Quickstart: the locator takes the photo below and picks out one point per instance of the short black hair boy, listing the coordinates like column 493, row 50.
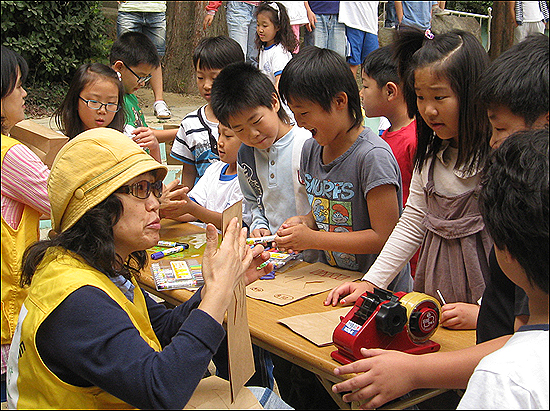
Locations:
column 514, row 201
column 518, row 79
column 216, row 53
column 134, row 48
column 240, row 87
column 381, row 66
column 318, row 76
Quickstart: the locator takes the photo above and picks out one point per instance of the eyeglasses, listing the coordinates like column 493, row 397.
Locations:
column 142, row 80
column 96, row 105
column 142, row 189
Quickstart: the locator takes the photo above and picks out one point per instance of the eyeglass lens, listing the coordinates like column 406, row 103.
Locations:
column 143, row 188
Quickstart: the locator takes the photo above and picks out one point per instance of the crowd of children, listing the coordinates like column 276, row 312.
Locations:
column 457, row 186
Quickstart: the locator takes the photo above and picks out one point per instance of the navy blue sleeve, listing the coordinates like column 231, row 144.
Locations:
column 89, row 340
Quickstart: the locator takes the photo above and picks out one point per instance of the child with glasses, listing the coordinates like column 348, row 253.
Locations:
column 94, row 100
column 134, row 57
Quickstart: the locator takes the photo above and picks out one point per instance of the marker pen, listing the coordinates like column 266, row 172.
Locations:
column 164, row 253
column 172, row 244
column 259, row 240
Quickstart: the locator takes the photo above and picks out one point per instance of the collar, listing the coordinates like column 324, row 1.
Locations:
column 447, row 155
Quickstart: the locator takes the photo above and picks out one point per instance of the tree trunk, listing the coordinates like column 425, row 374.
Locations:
column 502, row 28
column 184, row 20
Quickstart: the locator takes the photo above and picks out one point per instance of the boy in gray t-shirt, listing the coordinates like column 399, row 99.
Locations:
column 352, row 178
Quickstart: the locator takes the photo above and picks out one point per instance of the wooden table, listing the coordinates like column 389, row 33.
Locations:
column 267, row 333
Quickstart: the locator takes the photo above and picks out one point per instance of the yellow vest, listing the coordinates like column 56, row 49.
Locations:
column 30, row 383
column 14, row 243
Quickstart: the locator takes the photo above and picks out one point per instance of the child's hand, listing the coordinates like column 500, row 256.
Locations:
column 145, row 138
column 294, row 235
column 174, row 200
column 260, row 232
column 350, row 290
column 383, row 375
column 459, row 316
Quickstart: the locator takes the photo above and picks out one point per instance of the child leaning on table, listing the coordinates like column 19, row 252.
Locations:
column 246, row 101
column 196, row 139
column 134, row 57
column 217, row 189
column 442, row 215
column 516, row 376
column 351, row 176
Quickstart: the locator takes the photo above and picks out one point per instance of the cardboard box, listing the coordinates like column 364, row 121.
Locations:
column 43, row 141
column 168, row 146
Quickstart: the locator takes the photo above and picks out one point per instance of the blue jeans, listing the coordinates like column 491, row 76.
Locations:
column 241, row 27
column 329, row 34
column 153, row 25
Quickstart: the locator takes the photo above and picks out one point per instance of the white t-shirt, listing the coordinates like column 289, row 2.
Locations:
column 360, row 15
column 273, row 59
column 297, row 12
column 216, row 191
column 142, row 6
column 514, row 377
column 531, row 12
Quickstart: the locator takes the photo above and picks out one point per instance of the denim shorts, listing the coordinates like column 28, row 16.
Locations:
column 361, row 44
column 153, row 25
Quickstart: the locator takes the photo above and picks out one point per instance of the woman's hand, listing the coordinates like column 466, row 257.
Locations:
column 223, row 268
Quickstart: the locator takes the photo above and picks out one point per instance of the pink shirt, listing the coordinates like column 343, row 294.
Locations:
column 24, row 182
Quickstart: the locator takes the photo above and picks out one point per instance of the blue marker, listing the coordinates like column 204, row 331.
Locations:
column 164, row 253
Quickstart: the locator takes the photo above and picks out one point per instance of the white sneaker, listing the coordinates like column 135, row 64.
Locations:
column 161, row 109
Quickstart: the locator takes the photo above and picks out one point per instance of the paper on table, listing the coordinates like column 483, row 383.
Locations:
column 241, row 358
column 316, row 327
column 213, row 393
column 294, row 285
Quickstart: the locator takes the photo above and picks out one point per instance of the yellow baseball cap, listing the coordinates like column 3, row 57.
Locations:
column 89, row 168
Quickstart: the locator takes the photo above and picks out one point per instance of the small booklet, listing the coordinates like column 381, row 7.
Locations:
column 175, row 274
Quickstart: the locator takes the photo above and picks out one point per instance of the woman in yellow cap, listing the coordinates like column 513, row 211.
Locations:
column 88, row 336
column 24, row 197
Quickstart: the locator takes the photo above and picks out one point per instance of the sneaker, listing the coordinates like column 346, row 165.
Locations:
column 161, row 109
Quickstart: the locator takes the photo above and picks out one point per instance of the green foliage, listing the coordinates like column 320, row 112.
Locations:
column 477, row 7
column 55, row 37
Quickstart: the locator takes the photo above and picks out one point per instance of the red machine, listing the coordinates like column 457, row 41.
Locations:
column 382, row 319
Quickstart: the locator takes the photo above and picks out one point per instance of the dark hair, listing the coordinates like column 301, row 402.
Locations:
column 90, row 238
column 134, row 48
column 217, row 52
column 66, row 116
column 381, row 66
column 518, row 79
column 458, row 57
column 281, row 21
column 514, row 201
column 11, row 62
column 318, row 75
column 240, row 87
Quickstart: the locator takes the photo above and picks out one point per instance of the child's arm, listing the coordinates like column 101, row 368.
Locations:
column 164, row 136
column 188, row 175
column 145, row 138
column 384, row 214
column 403, row 242
column 259, row 225
column 386, row 375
